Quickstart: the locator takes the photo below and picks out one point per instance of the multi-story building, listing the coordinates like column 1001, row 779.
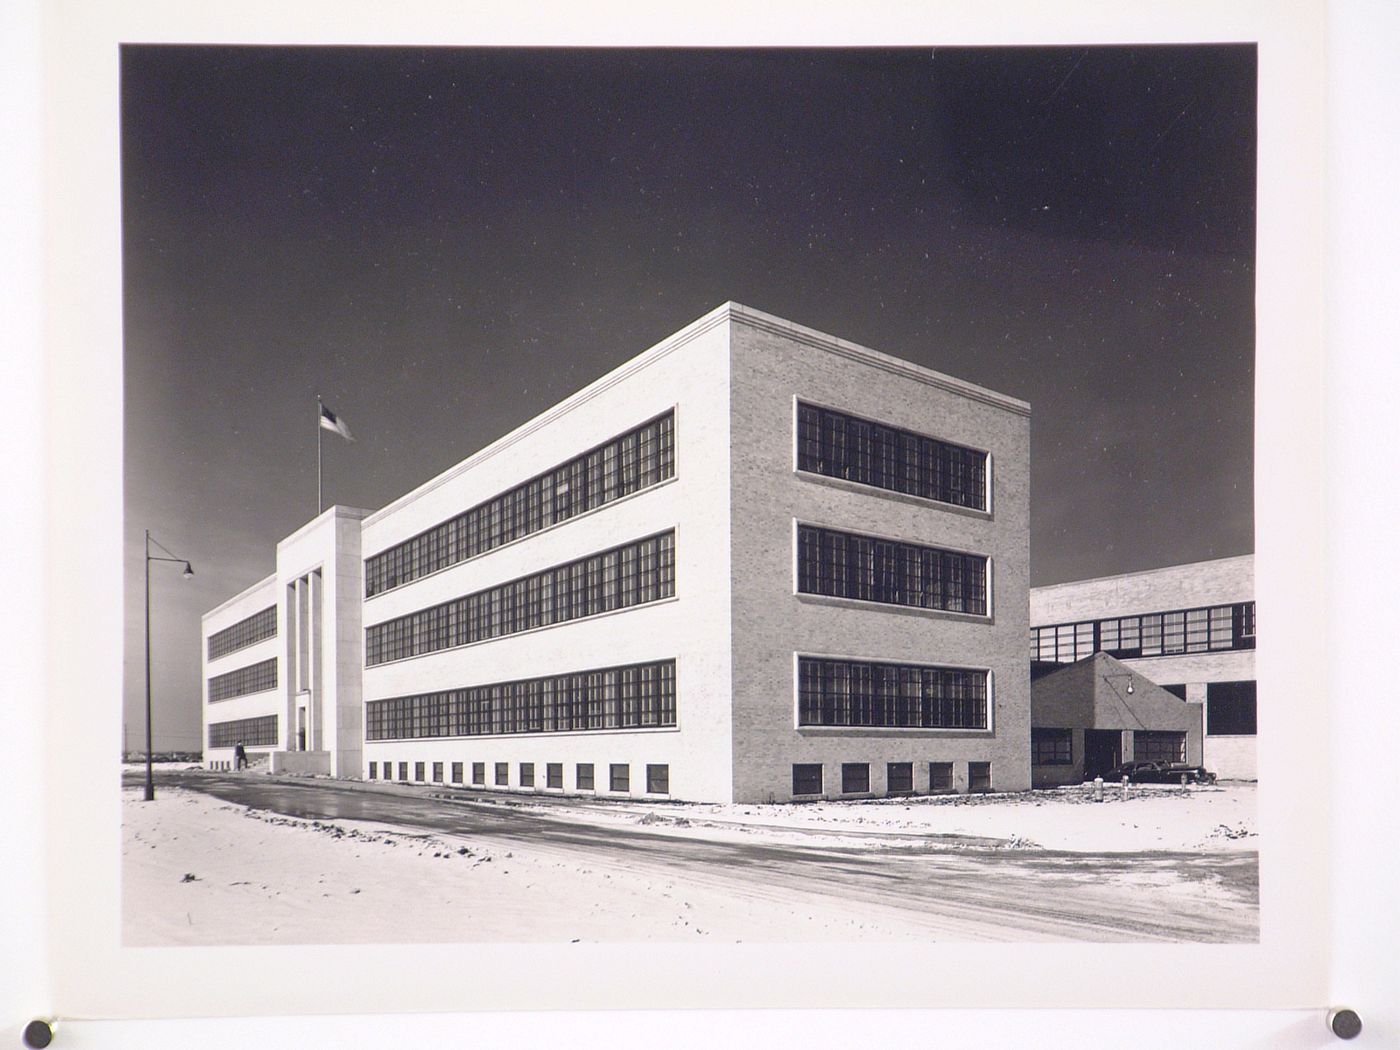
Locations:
column 755, row 562
column 1188, row 628
column 282, row 660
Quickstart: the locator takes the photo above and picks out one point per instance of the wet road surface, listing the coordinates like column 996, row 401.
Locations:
column 937, row 888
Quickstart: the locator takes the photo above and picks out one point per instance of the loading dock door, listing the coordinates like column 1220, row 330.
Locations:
column 1103, row 750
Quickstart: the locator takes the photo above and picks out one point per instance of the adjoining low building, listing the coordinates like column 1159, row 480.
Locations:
column 754, row 563
column 1091, row 716
column 1188, row 628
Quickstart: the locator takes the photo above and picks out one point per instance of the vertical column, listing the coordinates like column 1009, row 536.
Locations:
column 303, row 681
column 315, row 656
column 288, row 730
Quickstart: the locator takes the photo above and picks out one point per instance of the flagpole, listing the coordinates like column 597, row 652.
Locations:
column 318, row 455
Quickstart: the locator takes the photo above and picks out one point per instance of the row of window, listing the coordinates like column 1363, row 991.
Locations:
column 636, row 460
column 844, row 446
column 634, row 574
column 884, row 695
column 807, row 778
column 658, row 776
column 1210, row 629
column 849, row 566
column 256, row 628
column 255, row 678
column 1055, row 747
column 250, row 732
column 639, row 696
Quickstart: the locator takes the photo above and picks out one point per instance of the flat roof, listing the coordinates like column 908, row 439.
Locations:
column 1144, row 572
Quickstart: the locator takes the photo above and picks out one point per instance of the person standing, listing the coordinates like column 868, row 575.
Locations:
column 240, row 756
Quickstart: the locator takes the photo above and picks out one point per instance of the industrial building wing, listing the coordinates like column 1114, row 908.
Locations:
column 754, row 563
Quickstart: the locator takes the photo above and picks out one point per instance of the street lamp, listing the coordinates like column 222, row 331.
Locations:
column 189, row 572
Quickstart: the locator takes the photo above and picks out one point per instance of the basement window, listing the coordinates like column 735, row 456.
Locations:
column 899, row 778
column 855, row 777
column 979, row 776
column 658, row 780
column 807, row 778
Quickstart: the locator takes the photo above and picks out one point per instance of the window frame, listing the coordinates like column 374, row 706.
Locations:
column 866, row 444
column 1060, row 747
column 906, row 770
column 975, row 780
column 848, row 772
column 532, row 506
column 806, row 768
column 849, row 565
column 875, row 686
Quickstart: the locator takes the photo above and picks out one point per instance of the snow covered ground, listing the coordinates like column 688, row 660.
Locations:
column 1150, row 818
column 197, row 870
column 200, row 871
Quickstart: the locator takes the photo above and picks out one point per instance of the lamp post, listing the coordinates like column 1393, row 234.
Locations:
column 189, row 571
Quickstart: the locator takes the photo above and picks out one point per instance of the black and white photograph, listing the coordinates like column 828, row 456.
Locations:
column 746, row 495
column 724, row 524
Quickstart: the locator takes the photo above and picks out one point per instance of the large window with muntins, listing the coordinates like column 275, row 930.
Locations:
column 250, row 732
column 256, row 628
column 1052, row 747
column 1216, row 628
column 845, row 565
column 1158, row 746
column 838, row 445
column 638, row 696
column 638, row 459
column 889, row 696
column 640, row 572
column 255, row 678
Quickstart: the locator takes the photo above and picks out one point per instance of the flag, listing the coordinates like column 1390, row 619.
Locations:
column 330, row 421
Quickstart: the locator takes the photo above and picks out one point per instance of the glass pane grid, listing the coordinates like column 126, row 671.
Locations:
column 1210, row 628
column 895, row 696
column 838, row 445
column 637, row 696
column 634, row 461
column 635, row 574
column 255, row 678
column 256, row 628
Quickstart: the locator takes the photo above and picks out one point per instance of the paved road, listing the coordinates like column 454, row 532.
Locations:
column 943, row 890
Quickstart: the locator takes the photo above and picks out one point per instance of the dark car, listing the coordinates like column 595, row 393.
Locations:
column 1161, row 772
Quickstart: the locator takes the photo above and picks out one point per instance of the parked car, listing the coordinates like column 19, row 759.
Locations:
column 1161, row 772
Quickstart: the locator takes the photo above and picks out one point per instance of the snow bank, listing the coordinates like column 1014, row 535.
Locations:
column 1151, row 818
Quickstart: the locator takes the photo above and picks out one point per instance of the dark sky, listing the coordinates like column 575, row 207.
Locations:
column 445, row 242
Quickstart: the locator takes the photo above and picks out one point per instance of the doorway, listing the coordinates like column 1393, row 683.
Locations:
column 1103, row 751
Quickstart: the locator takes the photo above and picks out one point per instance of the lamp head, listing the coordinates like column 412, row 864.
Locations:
column 1130, row 687
column 189, row 573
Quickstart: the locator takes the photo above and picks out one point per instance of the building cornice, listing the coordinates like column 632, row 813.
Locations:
column 598, row 387
column 240, row 596
column 724, row 314
column 1137, row 573
column 855, row 352
column 330, row 513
